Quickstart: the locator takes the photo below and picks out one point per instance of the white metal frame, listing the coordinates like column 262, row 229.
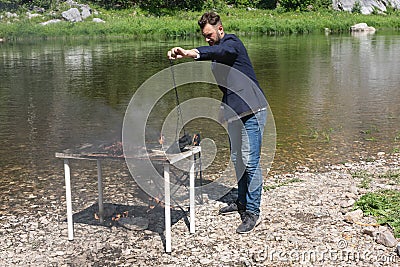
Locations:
column 167, row 191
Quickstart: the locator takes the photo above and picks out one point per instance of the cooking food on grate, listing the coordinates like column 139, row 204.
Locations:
column 179, row 146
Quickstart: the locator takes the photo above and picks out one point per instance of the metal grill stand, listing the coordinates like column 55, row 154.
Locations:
column 190, row 153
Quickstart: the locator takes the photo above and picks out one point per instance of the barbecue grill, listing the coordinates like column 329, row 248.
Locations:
column 156, row 156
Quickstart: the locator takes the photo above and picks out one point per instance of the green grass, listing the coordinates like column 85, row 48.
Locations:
column 392, row 175
column 135, row 22
column 272, row 187
column 318, row 134
column 367, row 134
column 384, row 205
column 397, row 137
column 366, row 178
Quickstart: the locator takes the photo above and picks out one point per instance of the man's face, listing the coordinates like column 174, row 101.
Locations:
column 212, row 34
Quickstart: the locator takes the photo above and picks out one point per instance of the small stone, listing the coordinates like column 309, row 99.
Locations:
column 205, row 261
column 59, row 253
column 134, row 223
column 44, row 220
column 381, row 154
column 293, row 240
column 97, row 20
column 386, row 238
column 354, row 190
column 351, row 195
column 369, row 231
column 50, row 22
column 353, row 216
column 347, row 203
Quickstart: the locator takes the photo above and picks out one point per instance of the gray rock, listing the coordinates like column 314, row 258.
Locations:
column 347, row 203
column 51, row 21
column 71, row 3
column 353, row 216
column 369, row 231
column 86, row 12
column 398, row 249
column 354, row 190
column 367, row 6
column 362, row 27
column 72, row 15
column 32, row 15
column 386, row 238
column 11, row 15
column 134, row 223
column 205, row 261
column 98, row 20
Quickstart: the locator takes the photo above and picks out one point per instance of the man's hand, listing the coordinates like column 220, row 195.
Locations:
column 179, row 52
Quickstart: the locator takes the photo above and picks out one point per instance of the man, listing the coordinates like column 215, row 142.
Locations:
column 243, row 96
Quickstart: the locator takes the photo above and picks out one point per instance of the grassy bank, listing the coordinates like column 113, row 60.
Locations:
column 384, row 206
column 135, row 22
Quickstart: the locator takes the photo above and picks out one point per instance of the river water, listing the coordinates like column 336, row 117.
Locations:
column 335, row 99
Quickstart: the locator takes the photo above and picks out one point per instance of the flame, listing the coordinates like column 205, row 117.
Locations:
column 161, row 139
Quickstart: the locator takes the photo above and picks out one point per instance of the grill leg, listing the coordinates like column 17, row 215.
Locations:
column 100, row 189
column 192, row 195
column 167, row 209
column 70, row 222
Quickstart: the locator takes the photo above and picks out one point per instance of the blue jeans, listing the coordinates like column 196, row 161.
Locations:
column 246, row 141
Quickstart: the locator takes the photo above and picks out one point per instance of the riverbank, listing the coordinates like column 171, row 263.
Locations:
column 136, row 23
column 303, row 224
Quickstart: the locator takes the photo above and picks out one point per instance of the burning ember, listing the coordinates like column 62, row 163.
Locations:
column 114, row 217
column 161, row 139
column 114, row 149
column 156, row 201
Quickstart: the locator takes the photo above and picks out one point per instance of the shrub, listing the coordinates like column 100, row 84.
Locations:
column 356, row 8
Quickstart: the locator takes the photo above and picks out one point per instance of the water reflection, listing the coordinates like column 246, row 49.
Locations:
column 333, row 98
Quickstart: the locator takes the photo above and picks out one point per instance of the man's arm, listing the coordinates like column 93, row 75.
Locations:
column 179, row 52
column 227, row 51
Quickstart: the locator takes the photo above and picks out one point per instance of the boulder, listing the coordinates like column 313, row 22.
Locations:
column 362, row 27
column 86, row 12
column 367, row 6
column 72, row 15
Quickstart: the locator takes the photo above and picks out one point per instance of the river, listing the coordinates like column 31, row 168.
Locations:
column 334, row 99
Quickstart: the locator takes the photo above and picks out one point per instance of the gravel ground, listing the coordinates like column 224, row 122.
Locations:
column 303, row 225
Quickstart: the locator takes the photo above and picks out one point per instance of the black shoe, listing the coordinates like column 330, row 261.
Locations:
column 249, row 222
column 232, row 208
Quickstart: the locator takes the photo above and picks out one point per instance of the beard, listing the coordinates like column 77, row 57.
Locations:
column 218, row 38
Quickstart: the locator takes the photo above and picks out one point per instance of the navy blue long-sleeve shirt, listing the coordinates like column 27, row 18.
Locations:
column 235, row 75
